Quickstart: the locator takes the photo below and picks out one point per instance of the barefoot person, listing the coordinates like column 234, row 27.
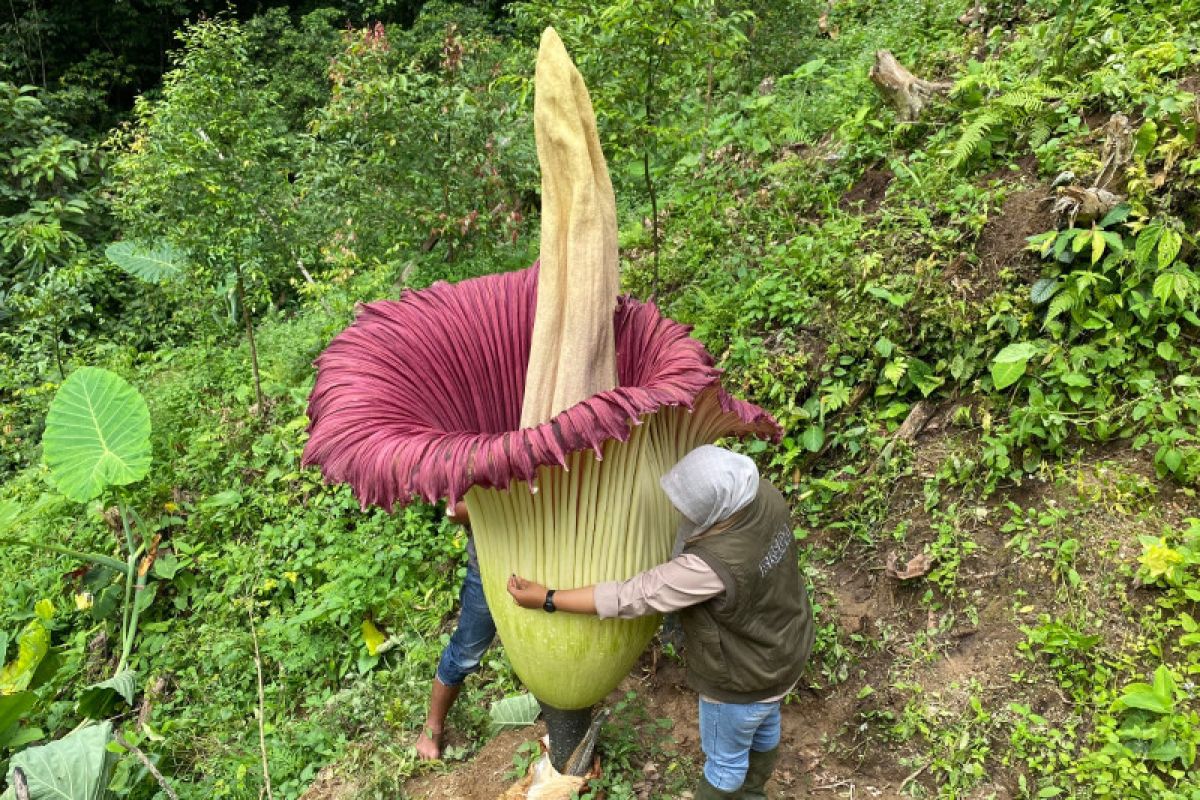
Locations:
column 735, row 581
column 462, row 655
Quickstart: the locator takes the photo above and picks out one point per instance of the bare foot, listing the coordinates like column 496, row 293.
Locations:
column 429, row 744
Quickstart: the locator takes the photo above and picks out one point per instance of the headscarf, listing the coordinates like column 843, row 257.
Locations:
column 708, row 485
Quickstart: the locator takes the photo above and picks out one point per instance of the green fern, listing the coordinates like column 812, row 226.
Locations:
column 1062, row 302
column 973, row 135
column 1023, row 102
column 1039, row 133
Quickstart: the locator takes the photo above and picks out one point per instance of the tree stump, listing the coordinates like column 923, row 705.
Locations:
column 905, row 91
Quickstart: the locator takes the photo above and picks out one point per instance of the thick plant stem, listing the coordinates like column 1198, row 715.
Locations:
column 241, row 290
column 567, row 728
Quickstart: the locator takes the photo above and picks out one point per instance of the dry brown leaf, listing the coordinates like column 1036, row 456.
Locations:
column 917, row 566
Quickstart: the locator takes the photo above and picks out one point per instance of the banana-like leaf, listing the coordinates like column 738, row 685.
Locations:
column 153, row 263
column 518, row 711
column 74, row 767
column 101, row 699
column 97, row 434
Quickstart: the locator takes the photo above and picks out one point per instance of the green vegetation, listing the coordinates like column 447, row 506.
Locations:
column 1013, row 272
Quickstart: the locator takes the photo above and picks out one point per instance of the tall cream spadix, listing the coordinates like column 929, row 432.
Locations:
column 573, row 355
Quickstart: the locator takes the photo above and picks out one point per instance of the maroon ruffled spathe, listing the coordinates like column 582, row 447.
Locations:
column 421, row 396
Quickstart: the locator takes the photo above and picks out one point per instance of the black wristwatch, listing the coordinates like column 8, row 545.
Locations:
column 548, row 605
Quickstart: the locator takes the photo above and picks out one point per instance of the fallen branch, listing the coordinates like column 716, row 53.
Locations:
column 146, row 762
column 905, row 91
column 912, row 776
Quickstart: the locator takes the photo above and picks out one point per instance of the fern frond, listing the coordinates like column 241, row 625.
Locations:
column 974, row 133
column 1022, row 99
column 1062, row 302
column 1039, row 133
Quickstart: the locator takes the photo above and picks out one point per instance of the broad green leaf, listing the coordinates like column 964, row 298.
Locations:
column 1145, row 139
column 32, row 645
column 1164, row 683
column 1098, row 245
column 152, row 263
column 922, row 376
column 97, row 434
column 1018, row 352
column 1076, row 379
column 74, row 767
column 46, row 668
column 1041, row 242
column 1146, row 699
column 1081, row 240
column 518, row 711
column 1005, row 374
column 165, row 566
column 1167, row 352
column 1146, row 242
column 12, row 708
column 1043, row 290
column 1115, row 243
column 20, row 736
column 1165, row 751
column 813, row 438
column 1118, row 214
column 1168, row 247
column 101, row 699
column 230, row 498
column 145, row 597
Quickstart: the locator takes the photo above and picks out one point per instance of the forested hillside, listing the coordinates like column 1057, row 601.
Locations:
column 948, row 246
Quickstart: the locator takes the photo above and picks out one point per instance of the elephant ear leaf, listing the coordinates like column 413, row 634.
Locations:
column 97, row 434
column 75, row 766
column 153, row 263
column 517, row 711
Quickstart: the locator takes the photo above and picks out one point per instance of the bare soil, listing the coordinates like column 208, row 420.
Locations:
column 868, row 193
column 1001, row 256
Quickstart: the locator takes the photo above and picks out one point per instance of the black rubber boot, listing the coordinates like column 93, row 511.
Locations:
column 757, row 774
column 706, row 791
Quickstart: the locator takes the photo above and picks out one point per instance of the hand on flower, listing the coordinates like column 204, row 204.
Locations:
column 527, row 594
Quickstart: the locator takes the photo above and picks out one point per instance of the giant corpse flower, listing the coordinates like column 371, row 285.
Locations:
column 547, row 403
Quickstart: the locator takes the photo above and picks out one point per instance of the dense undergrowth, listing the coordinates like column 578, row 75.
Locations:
column 845, row 267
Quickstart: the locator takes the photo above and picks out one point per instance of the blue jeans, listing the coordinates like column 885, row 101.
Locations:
column 471, row 638
column 728, row 732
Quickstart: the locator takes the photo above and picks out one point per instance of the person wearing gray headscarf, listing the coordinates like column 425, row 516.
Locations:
column 734, row 578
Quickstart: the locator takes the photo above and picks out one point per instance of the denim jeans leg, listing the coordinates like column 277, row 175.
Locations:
column 471, row 638
column 726, row 733
column 767, row 736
